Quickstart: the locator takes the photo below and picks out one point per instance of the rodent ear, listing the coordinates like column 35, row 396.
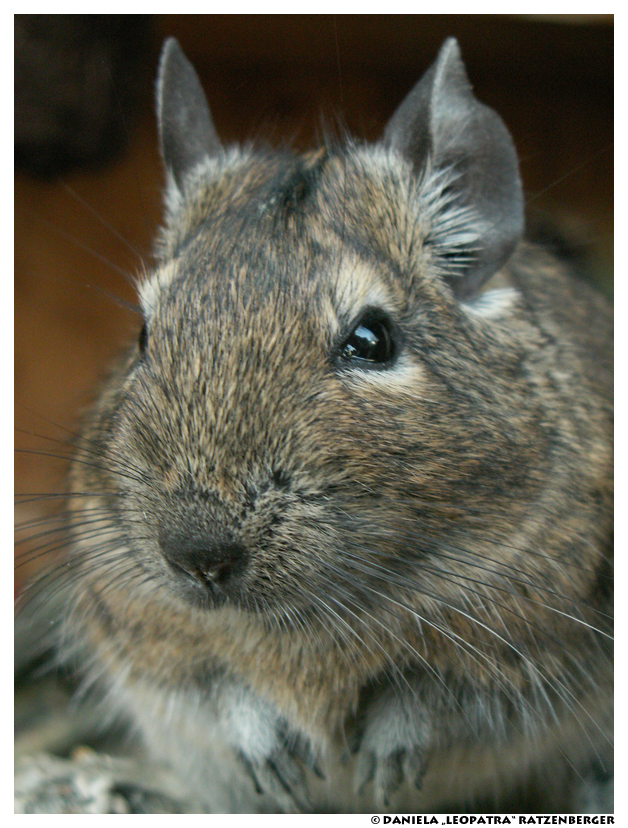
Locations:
column 186, row 131
column 466, row 149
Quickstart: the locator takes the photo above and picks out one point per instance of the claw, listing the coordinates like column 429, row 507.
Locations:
column 311, row 762
column 419, row 762
column 364, row 770
column 389, row 776
column 249, row 770
column 353, row 741
column 287, row 781
column 388, row 772
column 302, row 751
column 282, row 778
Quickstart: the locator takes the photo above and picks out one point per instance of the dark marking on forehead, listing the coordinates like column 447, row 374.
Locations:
column 290, row 189
column 302, row 184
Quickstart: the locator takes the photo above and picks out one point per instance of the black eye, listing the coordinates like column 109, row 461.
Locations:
column 371, row 341
column 143, row 338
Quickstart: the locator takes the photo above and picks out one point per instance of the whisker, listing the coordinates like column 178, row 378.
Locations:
column 79, row 244
column 109, row 226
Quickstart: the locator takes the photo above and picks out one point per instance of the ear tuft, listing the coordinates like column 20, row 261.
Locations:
column 186, row 131
column 462, row 147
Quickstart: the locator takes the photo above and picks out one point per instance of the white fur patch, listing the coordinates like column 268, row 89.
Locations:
column 150, row 290
column 360, row 287
column 492, row 303
column 250, row 724
column 404, row 376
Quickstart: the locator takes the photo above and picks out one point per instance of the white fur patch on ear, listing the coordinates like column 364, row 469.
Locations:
column 455, row 230
column 492, row 303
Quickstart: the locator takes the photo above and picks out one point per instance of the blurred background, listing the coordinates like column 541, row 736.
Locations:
column 88, row 176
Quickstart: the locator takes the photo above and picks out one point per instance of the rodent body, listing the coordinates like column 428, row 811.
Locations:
column 343, row 517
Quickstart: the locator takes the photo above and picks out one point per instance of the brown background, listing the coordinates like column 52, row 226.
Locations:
column 87, row 189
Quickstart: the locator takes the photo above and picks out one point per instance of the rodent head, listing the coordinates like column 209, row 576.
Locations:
column 320, row 400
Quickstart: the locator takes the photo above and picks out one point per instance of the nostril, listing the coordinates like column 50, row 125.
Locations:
column 217, row 572
column 210, row 568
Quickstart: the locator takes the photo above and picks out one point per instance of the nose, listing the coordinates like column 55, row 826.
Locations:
column 212, row 560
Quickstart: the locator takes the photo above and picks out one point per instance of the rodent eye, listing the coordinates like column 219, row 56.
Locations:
column 142, row 339
column 371, row 340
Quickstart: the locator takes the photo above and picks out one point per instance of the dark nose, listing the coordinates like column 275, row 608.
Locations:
column 211, row 560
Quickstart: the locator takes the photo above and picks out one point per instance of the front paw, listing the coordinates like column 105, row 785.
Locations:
column 274, row 758
column 392, row 746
